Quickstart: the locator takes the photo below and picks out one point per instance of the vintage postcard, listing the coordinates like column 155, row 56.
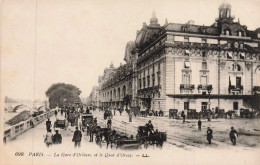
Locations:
column 130, row 82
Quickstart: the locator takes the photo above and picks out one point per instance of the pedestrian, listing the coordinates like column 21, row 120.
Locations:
column 199, row 125
column 48, row 138
column 114, row 112
column 31, row 122
column 183, row 116
column 209, row 135
column 130, row 113
column 77, row 137
column 48, row 124
column 95, row 120
column 55, row 112
column 4, row 140
column 109, row 123
column 233, row 136
column 62, row 110
column 57, row 138
column 120, row 111
column 92, row 130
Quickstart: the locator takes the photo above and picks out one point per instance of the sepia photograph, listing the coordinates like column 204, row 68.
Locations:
column 130, row 82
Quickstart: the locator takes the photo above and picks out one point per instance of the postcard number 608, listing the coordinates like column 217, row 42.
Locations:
column 19, row 154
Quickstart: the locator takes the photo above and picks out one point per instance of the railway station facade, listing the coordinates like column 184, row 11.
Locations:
column 187, row 66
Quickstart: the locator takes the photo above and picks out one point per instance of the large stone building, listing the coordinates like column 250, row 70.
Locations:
column 188, row 66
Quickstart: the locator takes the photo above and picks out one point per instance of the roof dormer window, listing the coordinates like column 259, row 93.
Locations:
column 186, row 64
column 186, row 39
column 227, row 32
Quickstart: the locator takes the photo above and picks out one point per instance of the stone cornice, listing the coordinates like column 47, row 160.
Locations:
column 212, row 53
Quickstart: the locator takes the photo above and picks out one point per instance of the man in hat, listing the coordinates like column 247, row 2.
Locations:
column 57, row 138
column 77, row 137
column 130, row 113
column 199, row 125
column 209, row 135
column 109, row 122
column 233, row 136
column 48, row 124
column 149, row 126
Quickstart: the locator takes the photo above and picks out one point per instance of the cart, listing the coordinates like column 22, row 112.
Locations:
column 60, row 124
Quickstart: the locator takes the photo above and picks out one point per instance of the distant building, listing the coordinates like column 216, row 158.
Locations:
column 188, row 66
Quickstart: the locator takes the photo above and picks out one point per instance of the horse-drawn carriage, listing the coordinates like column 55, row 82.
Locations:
column 86, row 120
column 150, row 137
column 107, row 114
column 73, row 118
column 246, row 113
column 145, row 112
column 220, row 113
column 126, row 143
column 230, row 113
column 61, row 124
column 192, row 114
column 173, row 113
column 205, row 113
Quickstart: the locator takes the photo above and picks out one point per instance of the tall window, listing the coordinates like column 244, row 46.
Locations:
column 144, row 82
column 186, row 79
column 140, row 84
column 238, row 82
column 124, row 91
column 118, row 93
column 153, row 79
column 235, row 105
column 159, row 66
column 204, row 65
column 159, row 78
column 148, row 81
column 203, row 80
column 186, row 105
column 204, row 105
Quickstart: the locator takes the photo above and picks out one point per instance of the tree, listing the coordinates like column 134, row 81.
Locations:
column 60, row 91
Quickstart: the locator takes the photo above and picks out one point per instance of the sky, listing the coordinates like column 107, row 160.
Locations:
column 73, row 41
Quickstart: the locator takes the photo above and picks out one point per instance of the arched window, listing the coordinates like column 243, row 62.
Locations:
column 118, row 91
column 124, row 91
column 236, row 67
column 114, row 93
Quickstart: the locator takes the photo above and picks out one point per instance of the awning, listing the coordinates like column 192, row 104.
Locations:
column 187, row 64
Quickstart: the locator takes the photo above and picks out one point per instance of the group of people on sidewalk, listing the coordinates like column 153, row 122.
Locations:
column 233, row 135
column 57, row 138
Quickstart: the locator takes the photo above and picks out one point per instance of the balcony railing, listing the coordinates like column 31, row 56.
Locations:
column 256, row 89
column 187, row 87
column 232, row 88
column 207, row 87
column 156, row 87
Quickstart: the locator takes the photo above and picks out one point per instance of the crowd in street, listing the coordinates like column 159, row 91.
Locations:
column 75, row 112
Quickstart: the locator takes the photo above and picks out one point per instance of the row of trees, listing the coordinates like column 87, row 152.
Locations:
column 60, row 93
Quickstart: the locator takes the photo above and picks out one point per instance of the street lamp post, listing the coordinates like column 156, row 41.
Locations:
column 209, row 89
